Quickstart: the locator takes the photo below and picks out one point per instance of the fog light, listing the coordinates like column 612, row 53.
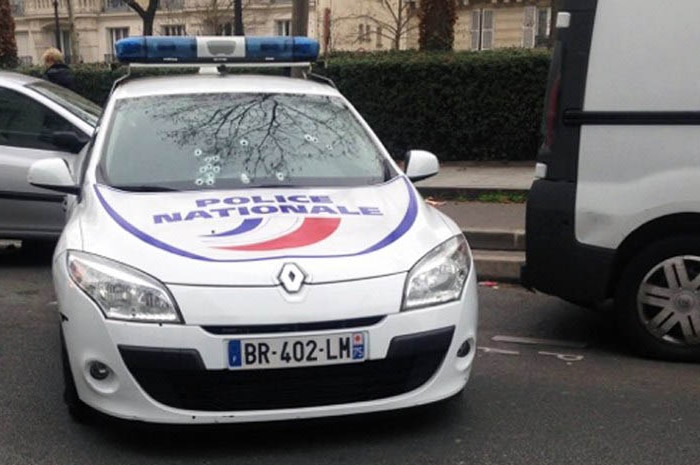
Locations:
column 99, row 371
column 464, row 349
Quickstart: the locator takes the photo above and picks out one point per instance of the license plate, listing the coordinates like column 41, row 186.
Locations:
column 289, row 352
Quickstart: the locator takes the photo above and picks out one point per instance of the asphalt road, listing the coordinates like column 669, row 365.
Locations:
column 577, row 398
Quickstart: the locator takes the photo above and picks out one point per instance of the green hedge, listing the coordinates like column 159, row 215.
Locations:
column 460, row 106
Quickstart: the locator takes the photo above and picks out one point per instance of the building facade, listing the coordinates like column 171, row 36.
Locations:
column 340, row 25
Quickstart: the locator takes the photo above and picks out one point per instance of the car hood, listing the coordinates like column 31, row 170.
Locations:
column 245, row 237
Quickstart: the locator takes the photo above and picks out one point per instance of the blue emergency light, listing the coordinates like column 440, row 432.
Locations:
column 216, row 50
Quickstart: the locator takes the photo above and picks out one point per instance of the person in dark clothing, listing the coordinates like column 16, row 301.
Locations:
column 56, row 70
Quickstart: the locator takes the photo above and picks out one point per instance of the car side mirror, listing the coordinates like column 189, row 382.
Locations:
column 68, row 140
column 54, row 174
column 421, row 165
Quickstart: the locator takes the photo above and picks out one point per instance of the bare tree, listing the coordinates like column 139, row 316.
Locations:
column 216, row 15
column 395, row 24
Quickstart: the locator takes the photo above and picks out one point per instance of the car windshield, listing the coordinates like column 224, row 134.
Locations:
column 237, row 140
column 79, row 106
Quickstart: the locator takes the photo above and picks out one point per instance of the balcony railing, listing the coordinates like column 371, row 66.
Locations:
column 171, row 4
column 45, row 7
column 115, row 5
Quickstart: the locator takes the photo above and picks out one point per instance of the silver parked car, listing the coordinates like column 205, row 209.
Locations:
column 38, row 120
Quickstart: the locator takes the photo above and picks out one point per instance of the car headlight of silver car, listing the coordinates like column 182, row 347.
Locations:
column 122, row 292
column 439, row 276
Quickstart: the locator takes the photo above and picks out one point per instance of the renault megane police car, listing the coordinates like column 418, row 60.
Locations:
column 242, row 248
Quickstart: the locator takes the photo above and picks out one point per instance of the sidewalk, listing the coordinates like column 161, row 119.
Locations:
column 475, row 177
column 495, row 231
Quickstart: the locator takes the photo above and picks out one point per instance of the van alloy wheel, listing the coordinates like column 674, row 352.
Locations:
column 668, row 301
column 657, row 300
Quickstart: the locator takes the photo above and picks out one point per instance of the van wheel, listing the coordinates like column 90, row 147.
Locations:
column 79, row 411
column 658, row 300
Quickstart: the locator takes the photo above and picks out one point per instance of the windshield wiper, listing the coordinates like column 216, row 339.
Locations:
column 143, row 188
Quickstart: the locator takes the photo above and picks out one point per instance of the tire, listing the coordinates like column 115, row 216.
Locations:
column 658, row 300
column 38, row 247
column 79, row 411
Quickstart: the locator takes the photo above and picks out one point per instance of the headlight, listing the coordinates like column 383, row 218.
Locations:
column 121, row 292
column 439, row 276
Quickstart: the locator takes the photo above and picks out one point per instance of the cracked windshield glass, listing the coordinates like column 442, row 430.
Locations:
column 229, row 141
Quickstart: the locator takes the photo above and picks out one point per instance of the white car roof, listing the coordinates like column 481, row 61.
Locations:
column 16, row 79
column 215, row 83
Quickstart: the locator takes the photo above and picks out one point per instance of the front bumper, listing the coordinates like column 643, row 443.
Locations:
column 178, row 373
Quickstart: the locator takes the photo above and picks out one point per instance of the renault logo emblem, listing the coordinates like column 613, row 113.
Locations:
column 292, row 278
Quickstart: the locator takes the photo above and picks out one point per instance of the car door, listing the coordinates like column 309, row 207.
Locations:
column 26, row 128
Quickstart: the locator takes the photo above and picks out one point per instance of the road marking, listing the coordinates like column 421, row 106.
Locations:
column 491, row 350
column 563, row 357
column 540, row 342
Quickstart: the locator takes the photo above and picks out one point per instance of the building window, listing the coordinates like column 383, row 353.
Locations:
column 536, row 26
column 544, row 19
column 482, row 29
column 223, row 29
column 113, row 35
column 379, row 37
column 283, row 27
column 174, row 30
column 66, row 46
column 364, row 33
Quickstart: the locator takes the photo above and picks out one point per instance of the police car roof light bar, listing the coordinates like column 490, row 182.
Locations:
column 217, row 50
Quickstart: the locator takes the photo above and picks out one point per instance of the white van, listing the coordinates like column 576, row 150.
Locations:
column 615, row 209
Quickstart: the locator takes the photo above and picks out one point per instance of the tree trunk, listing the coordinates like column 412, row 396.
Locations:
column 149, row 17
column 238, row 18
column 74, row 46
column 300, row 17
column 399, row 19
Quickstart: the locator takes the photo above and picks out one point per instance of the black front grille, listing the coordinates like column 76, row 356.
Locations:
column 296, row 327
column 411, row 361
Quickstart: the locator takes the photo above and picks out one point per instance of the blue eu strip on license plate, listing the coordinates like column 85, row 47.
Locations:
column 288, row 352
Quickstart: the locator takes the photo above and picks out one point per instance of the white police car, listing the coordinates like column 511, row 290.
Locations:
column 242, row 248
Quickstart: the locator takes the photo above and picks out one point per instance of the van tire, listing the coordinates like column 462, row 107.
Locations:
column 658, row 317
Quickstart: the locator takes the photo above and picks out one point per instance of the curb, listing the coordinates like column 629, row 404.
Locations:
column 498, row 265
column 495, row 239
column 498, row 254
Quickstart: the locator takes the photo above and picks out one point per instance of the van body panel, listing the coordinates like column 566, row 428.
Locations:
column 642, row 57
column 631, row 175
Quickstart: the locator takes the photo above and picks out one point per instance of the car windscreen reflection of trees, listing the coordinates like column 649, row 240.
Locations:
column 238, row 140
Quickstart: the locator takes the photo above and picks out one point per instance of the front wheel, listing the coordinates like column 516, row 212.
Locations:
column 658, row 300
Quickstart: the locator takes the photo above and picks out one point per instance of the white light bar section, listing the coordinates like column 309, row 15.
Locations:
column 226, row 47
